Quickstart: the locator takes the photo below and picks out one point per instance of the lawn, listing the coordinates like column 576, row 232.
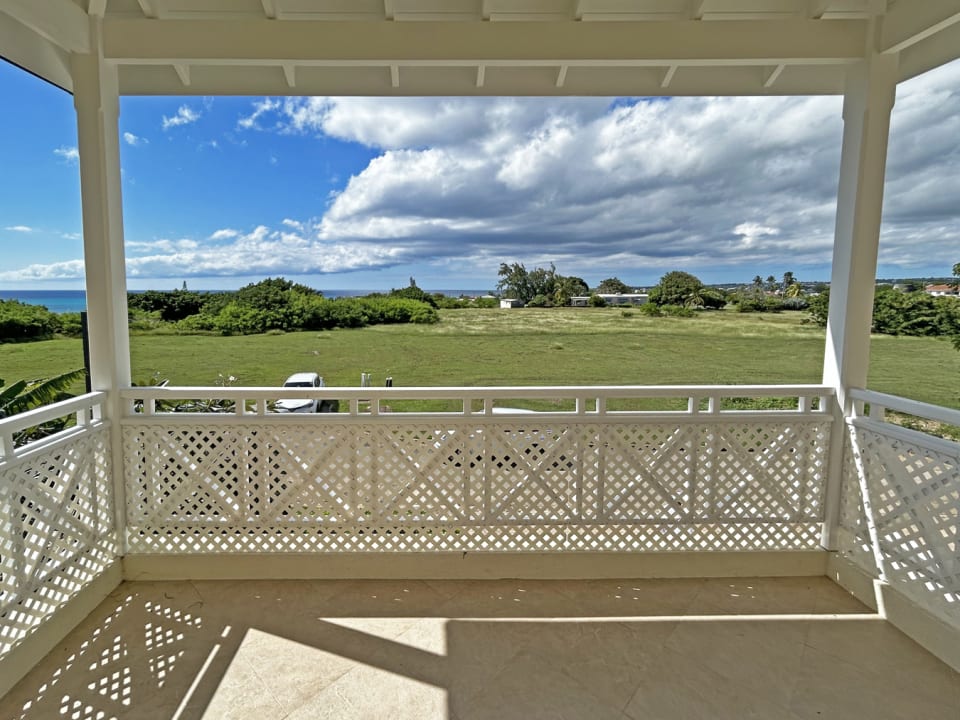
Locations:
column 571, row 346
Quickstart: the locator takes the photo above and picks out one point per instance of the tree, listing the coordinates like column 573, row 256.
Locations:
column 757, row 281
column 788, row 280
column 568, row 287
column 26, row 395
column 771, row 283
column 515, row 282
column 613, row 286
column 675, row 287
column 956, row 277
column 794, row 290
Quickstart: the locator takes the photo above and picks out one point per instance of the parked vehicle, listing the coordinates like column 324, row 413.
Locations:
column 305, row 405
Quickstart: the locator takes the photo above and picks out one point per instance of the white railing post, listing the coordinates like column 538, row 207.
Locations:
column 868, row 100
column 97, row 101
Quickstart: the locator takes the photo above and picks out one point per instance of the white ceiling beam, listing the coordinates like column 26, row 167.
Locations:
column 148, row 8
column 97, row 8
column 932, row 52
column 60, row 21
column 577, row 13
column 816, row 8
column 183, row 72
column 395, row 76
column 269, row 8
column 469, row 44
column 290, row 74
column 562, row 76
column 908, row 23
column 770, row 75
column 388, row 9
column 481, row 75
column 695, row 9
column 668, row 76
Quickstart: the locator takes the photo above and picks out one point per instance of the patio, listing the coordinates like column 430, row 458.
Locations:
column 692, row 648
column 797, row 562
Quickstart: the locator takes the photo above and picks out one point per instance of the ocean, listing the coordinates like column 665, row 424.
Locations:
column 61, row 301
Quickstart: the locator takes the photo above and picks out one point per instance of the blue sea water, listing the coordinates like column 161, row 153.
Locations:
column 58, row 301
column 61, row 301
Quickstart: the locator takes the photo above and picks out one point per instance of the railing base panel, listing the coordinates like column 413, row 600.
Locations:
column 473, row 565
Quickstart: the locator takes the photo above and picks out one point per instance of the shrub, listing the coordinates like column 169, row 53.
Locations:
column 650, row 309
column 677, row 311
column 597, row 301
column 20, row 321
column 539, row 301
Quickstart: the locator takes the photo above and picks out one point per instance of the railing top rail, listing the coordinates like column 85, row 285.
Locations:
column 18, row 422
column 445, row 393
column 905, row 405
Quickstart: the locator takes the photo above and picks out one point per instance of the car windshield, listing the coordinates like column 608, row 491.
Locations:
column 298, row 384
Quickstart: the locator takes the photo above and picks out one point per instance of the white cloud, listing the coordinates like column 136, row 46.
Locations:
column 293, row 223
column 263, row 107
column 185, row 115
column 19, row 228
column 130, row 139
column 162, row 245
column 262, row 251
column 224, row 234
column 67, row 270
column 68, row 153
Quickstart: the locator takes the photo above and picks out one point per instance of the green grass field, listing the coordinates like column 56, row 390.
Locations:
column 573, row 346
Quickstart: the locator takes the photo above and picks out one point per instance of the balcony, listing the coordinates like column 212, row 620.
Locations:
column 669, row 545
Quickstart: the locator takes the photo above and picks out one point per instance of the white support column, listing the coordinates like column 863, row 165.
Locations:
column 868, row 101
column 96, row 99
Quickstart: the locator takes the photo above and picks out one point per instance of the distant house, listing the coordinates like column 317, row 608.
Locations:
column 937, row 290
column 612, row 299
column 508, row 303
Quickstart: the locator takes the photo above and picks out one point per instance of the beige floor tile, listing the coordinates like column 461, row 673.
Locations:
column 368, row 692
column 490, row 649
column 680, row 687
column 511, row 598
column 877, row 647
column 831, row 689
column 528, row 687
column 768, row 596
column 628, row 598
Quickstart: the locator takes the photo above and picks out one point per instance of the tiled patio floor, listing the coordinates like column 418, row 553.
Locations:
column 645, row 649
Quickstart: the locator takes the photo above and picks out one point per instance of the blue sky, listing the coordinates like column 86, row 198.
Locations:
column 362, row 193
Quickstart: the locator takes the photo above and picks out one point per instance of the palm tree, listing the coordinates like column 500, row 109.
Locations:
column 794, row 290
column 757, row 281
column 788, row 280
column 26, row 395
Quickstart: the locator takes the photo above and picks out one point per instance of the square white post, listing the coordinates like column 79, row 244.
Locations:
column 96, row 99
column 868, row 101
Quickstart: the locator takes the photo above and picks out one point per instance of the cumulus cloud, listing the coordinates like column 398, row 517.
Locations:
column 68, row 153
column 130, row 139
column 635, row 187
column 184, row 116
column 261, row 251
column 19, row 228
column 67, row 270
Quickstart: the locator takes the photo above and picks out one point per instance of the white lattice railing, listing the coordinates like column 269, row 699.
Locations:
column 600, row 473
column 908, row 530
column 58, row 531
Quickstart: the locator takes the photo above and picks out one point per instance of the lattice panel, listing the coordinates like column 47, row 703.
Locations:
column 58, row 529
column 915, row 496
column 461, row 486
column 854, row 537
